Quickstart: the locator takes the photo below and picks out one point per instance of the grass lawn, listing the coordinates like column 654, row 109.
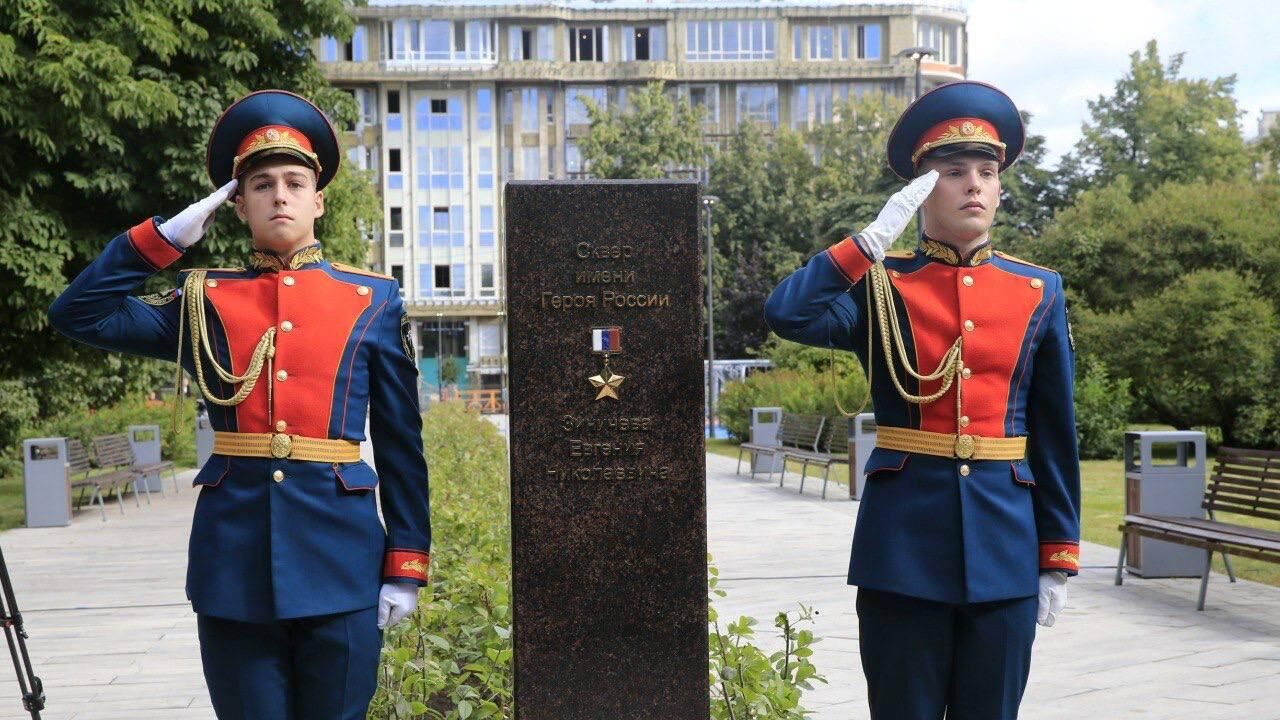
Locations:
column 1102, row 490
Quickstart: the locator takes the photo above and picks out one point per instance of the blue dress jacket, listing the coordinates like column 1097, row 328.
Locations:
column 943, row 528
column 282, row 538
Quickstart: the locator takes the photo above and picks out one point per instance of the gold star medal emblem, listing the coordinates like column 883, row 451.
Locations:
column 606, row 341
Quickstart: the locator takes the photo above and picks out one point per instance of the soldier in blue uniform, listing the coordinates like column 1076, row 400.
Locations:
column 970, row 521
column 291, row 573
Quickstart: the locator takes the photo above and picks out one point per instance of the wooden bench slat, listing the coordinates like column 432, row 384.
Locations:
column 1225, row 451
column 1206, row 530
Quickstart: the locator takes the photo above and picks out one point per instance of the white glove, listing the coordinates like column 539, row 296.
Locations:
column 1053, row 597
column 188, row 226
column 877, row 237
column 395, row 602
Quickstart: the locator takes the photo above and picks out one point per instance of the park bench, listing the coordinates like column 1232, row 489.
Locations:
column 795, row 432
column 1243, row 482
column 155, row 468
column 833, row 449
column 78, row 465
column 114, row 455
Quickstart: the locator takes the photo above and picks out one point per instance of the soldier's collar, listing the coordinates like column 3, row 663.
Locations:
column 944, row 253
column 271, row 262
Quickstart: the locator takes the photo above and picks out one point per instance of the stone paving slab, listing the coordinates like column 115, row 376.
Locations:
column 113, row 636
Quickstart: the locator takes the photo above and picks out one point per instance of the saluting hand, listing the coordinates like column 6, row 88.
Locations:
column 877, row 237
column 188, row 226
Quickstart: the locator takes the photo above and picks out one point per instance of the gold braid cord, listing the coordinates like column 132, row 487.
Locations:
column 193, row 306
column 880, row 304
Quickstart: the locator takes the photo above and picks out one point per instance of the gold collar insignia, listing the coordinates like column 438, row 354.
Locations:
column 263, row 260
column 943, row 252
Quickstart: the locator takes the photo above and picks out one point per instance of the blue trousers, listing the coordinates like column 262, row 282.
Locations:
column 312, row 668
column 924, row 659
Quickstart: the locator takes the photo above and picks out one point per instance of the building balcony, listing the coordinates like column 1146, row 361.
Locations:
column 431, row 307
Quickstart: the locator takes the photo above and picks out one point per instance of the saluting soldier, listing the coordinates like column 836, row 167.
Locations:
column 970, row 521
column 291, row 573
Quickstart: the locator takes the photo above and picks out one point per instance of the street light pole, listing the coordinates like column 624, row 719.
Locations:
column 917, row 54
column 707, row 202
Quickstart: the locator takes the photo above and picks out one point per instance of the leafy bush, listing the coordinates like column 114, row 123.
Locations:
column 800, row 383
column 452, row 659
column 1102, row 410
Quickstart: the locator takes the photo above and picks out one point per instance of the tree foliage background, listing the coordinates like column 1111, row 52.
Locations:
column 105, row 111
column 1164, row 223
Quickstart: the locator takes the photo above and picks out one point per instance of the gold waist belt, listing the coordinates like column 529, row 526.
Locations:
column 965, row 447
column 282, row 446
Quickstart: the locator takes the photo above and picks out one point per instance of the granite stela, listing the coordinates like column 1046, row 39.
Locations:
column 608, row 495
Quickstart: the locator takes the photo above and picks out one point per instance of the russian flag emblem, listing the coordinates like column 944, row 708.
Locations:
column 606, row 339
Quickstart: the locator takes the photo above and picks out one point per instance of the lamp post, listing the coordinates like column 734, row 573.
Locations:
column 707, row 202
column 439, row 357
column 917, row 54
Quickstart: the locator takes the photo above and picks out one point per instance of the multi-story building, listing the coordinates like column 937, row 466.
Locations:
column 458, row 96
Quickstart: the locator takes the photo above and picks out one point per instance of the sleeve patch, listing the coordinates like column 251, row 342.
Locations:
column 160, row 298
column 406, row 338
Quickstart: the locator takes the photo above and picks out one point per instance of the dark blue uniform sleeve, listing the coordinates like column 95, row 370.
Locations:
column 395, row 428
column 1052, row 447
column 96, row 307
column 812, row 305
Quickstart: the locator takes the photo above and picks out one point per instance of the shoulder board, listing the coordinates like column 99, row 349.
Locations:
column 1007, row 256
column 225, row 269
column 902, row 254
column 359, row 271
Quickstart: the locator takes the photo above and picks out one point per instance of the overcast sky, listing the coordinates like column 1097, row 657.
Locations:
column 1051, row 57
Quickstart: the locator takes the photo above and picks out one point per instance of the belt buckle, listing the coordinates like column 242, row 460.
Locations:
column 281, row 445
column 964, row 446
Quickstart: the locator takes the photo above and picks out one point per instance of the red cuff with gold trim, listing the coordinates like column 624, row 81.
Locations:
column 412, row 564
column 849, row 257
column 1060, row 556
column 151, row 245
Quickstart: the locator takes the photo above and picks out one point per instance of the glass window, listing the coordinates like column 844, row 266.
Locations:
column 484, row 175
column 868, row 42
column 730, row 40
column 457, row 230
column 456, row 167
column 844, row 42
column 459, row 279
column 575, row 110
column 820, row 42
column 532, row 163
column 437, row 34
column 360, row 44
column 586, row 43
column 544, row 43
column 486, row 281
column 486, row 234
column 758, row 103
column 439, row 168
column 484, row 109
column 442, row 277
column 529, row 109
column 440, row 218
column 395, row 226
column 328, row 49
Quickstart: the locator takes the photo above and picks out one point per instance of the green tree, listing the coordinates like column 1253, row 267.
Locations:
column 654, row 136
column 1159, row 126
column 105, row 110
column 1201, row 351
column 1030, row 194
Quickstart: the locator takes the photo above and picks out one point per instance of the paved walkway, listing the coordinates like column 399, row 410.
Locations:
column 113, row 636
column 1136, row 651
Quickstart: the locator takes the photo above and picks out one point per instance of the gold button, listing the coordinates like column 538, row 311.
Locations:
column 211, row 283
column 968, row 280
column 968, row 325
column 362, row 290
column 280, row 426
column 1036, row 283
column 278, row 476
column 288, row 280
column 895, row 273
column 964, row 421
column 966, row 373
column 286, row 326
column 282, row 375
column 964, row 470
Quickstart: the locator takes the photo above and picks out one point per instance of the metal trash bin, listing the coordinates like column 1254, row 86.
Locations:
column 862, row 441
column 1163, row 488
column 765, row 422
column 145, row 442
column 46, row 490
column 204, row 436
